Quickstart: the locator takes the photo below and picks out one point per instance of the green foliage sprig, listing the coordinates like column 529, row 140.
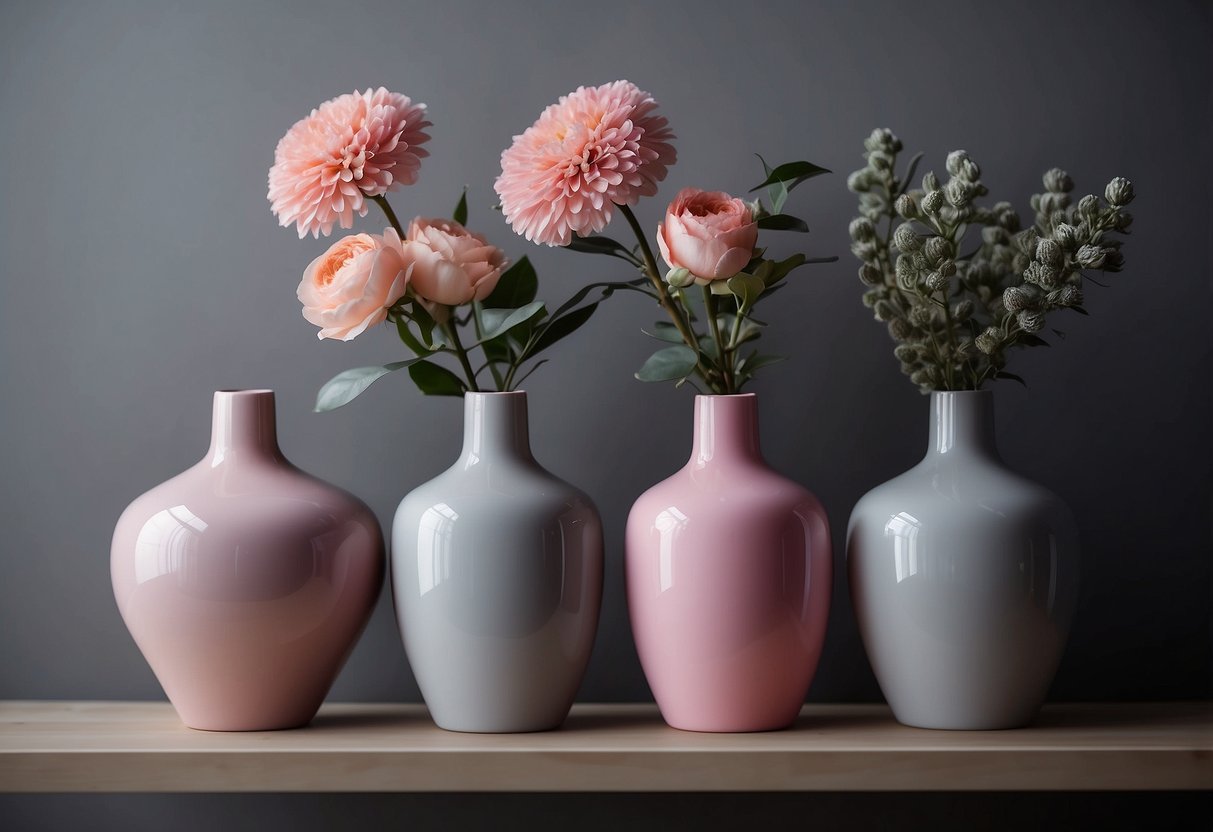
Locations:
column 956, row 313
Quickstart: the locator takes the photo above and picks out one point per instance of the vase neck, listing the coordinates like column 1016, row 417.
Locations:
column 726, row 429
column 962, row 422
column 242, row 425
column 495, row 424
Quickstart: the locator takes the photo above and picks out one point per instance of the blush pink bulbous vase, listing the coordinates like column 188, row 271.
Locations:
column 728, row 581
column 244, row 581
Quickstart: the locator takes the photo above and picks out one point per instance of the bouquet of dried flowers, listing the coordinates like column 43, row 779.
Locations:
column 954, row 308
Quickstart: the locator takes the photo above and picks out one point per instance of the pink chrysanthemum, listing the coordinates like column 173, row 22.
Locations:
column 351, row 147
column 596, row 148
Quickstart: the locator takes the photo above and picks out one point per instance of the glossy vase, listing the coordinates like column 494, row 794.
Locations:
column 497, row 579
column 244, row 581
column 964, row 577
column 728, row 581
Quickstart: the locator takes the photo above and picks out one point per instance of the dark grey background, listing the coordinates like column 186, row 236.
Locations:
column 141, row 270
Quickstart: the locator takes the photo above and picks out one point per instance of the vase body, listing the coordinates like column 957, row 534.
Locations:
column 497, row 579
column 244, row 581
column 964, row 579
column 728, row 581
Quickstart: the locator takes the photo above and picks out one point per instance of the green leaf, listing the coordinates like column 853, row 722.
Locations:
column 783, row 222
column 669, row 364
column 607, row 289
column 497, row 322
column 1011, row 376
column 782, row 268
column 757, row 361
column 425, row 324
column 410, row 340
column 435, row 380
column 346, row 386
column 778, row 191
column 664, row 331
column 562, row 327
column 461, row 210
column 747, row 288
column 527, row 374
column 909, row 177
column 517, row 287
column 601, row 245
column 790, row 174
column 1030, row 340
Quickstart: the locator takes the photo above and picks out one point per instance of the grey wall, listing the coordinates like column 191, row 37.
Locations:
column 141, row 269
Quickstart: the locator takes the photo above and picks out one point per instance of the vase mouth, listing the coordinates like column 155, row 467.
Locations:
column 251, row 391
column 504, row 394
column 726, row 395
column 962, row 392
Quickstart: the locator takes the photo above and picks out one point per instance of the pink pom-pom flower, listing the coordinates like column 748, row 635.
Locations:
column 596, row 148
column 351, row 147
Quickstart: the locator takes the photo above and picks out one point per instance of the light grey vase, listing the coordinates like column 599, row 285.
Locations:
column 497, row 579
column 963, row 576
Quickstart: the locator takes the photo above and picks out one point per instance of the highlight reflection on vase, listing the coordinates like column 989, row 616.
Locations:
column 964, row 577
column 497, row 579
column 244, row 581
column 728, row 581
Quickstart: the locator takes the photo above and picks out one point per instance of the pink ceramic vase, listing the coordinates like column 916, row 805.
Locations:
column 244, row 581
column 728, row 581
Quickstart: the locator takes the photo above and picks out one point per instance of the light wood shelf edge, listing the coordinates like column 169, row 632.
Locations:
column 141, row 747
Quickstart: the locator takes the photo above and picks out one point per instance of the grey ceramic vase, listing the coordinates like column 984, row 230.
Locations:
column 964, row 577
column 497, row 578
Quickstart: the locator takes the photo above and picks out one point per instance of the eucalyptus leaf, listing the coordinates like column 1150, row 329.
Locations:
column 516, row 287
column 669, row 364
column 461, row 210
column 347, row 385
column 1011, row 376
column 497, row 322
column 435, row 380
column 783, row 222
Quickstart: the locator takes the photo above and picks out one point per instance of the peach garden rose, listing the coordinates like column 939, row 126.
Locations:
column 449, row 264
column 709, row 233
column 352, row 286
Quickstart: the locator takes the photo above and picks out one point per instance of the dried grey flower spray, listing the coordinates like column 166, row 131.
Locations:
column 955, row 316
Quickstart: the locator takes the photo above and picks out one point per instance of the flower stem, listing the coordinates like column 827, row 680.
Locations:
column 663, row 296
column 449, row 329
column 452, row 334
column 726, row 364
column 479, row 324
column 382, row 202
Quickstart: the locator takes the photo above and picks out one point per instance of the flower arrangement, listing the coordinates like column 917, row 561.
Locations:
column 598, row 150
column 955, row 314
column 431, row 281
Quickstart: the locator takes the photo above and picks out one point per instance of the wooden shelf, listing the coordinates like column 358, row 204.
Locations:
column 142, row 747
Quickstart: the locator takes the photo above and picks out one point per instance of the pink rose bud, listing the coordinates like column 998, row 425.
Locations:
column 350, row 287
column 449, row 264
column 709, row 233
